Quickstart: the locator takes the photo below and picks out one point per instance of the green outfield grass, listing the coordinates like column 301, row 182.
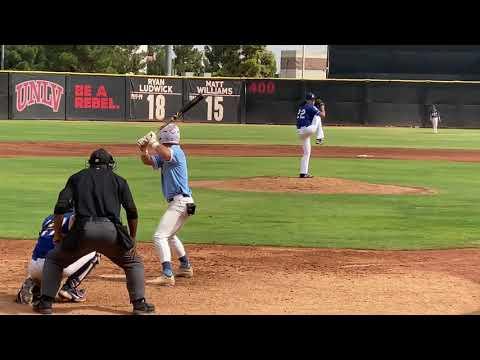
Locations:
column 29, row 188
column 118, row 132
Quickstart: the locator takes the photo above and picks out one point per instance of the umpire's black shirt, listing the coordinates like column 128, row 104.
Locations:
column 97, row 192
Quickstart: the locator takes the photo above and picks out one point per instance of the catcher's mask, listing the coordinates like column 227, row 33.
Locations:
column 102, row 158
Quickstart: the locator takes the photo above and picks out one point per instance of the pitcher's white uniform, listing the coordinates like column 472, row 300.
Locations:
column 309, row 122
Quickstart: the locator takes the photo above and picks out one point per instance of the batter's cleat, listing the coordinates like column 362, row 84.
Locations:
column 306, row 176
column 43, row 306
column 319, row 141
column 141, row 307
column 69, row 294
column 25, row 295
column 162, row 280
column 185, row 271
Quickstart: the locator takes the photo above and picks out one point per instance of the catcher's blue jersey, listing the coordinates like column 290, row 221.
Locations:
column 45, row 236
column 305, row 115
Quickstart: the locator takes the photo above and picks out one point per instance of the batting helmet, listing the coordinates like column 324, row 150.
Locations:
column 169, row 134
column 310, row 96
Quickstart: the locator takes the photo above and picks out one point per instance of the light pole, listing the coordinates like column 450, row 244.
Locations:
column 169, row 59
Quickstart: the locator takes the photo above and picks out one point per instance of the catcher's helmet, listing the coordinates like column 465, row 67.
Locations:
column 101, row 157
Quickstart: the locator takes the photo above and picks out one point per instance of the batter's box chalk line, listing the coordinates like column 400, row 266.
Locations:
column 112, row 276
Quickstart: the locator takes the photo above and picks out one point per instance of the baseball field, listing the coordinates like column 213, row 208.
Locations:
column 388, row 225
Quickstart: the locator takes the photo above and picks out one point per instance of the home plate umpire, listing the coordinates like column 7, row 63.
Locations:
column 97, row 194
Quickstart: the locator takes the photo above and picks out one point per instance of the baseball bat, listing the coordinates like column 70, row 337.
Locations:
column 183, row 110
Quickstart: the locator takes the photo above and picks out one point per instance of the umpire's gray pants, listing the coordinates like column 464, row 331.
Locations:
column 96, row 236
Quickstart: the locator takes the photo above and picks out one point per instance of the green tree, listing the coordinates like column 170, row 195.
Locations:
column 188, row 59
column 222, row 60
column 25, row 57
column 80, row 58
column 117, row 59
column 128, row 59
column 240, row 60
column 157, row 67
column 257, row 61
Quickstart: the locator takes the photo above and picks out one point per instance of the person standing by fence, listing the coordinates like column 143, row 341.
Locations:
column 434, row 117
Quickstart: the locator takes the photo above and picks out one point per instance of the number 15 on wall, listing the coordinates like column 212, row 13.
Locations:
column 214, row 107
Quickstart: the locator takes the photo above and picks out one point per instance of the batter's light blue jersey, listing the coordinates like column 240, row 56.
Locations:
column 305, row 115
column 174, row 173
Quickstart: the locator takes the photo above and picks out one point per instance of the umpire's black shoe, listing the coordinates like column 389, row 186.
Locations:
column 43, row 305
column 141, row 307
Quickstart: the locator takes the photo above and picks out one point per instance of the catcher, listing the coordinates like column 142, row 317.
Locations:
column 76, row 272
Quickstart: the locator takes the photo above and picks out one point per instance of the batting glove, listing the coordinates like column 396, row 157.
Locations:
column 142, row 141
column 152, row 139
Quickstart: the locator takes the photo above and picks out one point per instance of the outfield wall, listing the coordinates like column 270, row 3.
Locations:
column 106, row 97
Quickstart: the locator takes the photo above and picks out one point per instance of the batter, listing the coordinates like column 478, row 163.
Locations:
column 168, row 158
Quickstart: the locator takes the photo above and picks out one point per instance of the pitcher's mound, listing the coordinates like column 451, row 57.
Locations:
column 316, row 185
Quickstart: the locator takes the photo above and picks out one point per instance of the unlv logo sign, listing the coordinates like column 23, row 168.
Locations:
column 42, row 92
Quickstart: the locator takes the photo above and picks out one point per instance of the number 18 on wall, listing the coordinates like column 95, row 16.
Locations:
column 156, row 104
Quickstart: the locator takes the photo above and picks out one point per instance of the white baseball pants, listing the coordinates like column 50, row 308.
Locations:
column 434, row 121
column 35, row 268
column 170, row 223
column 304, row 133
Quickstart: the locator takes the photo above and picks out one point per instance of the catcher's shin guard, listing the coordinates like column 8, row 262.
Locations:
column 77, row 277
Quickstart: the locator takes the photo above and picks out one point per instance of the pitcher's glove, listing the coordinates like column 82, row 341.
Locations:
column 319, row 103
